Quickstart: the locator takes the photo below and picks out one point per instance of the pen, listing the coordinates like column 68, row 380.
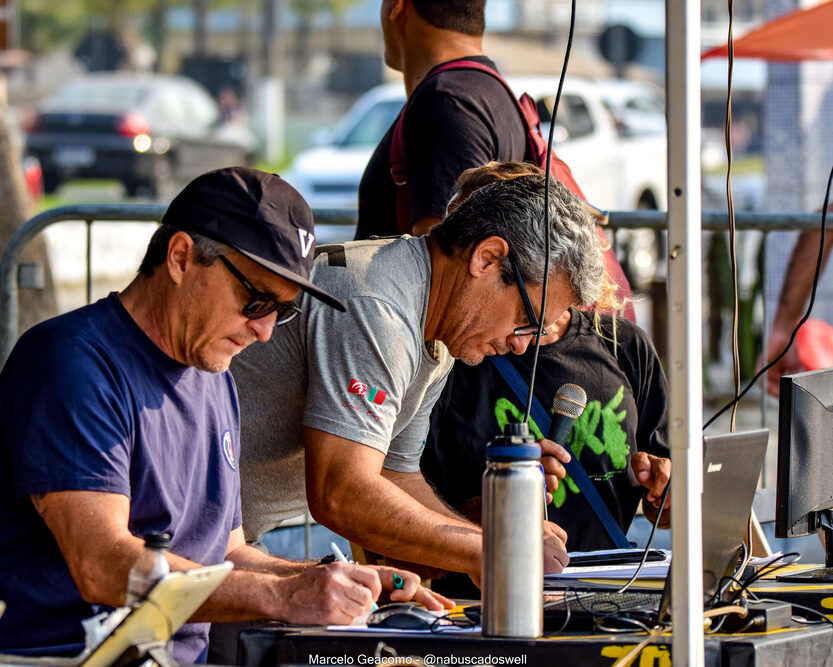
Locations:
column 339, row 554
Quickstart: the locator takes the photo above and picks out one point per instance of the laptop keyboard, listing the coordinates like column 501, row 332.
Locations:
column 604, row 603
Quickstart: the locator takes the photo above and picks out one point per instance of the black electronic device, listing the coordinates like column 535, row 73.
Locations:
column 618, row 557
column 402, row 616
column 804, row 492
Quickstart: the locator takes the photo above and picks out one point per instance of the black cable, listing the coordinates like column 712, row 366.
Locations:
column 547, row 241
column 567, row 611
column 716, row 627
column 624, row 619
column 650, row 538
column 597, row 613
column 766, row 570
column 743, row 586
column 725, row 582
column 819, row 263
column 730, row 200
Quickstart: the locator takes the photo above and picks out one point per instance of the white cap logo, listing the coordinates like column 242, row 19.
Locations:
column 306, row 240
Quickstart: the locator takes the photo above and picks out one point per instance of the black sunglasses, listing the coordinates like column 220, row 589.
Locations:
column 530, row 329
column 262, row 304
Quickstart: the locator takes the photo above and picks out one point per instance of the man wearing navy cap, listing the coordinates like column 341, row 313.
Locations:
column 120, row 418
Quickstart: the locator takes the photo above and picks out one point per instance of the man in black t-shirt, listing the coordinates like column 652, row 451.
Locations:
column 456, row 120
column 625, row 418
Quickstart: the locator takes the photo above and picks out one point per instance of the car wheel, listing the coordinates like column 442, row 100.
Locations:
column 159, row 185
column 161, row 182
column 647, row 202
column 51, row 181
column 132, row 187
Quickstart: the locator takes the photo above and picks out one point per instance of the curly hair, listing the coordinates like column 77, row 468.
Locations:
column 513, row 209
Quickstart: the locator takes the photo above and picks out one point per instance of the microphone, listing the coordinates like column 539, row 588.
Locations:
column 567, row 406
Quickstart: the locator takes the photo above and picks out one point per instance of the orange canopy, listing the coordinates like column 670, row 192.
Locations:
column 805, row 34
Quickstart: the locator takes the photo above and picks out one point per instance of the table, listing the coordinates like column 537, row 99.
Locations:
column 269, row 645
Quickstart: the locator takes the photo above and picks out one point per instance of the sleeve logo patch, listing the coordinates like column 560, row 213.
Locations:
column 372, row 394
column 228, row 450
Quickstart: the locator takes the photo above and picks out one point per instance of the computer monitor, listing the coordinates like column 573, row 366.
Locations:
column 804, row 494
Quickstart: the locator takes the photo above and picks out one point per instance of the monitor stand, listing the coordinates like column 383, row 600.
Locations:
column 820, row 575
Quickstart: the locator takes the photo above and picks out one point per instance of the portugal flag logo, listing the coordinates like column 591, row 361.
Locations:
column 377, row 396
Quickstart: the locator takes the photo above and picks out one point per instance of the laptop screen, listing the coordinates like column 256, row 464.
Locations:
column 732, row 464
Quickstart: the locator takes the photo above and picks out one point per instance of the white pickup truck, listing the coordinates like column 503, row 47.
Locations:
column 617, row 169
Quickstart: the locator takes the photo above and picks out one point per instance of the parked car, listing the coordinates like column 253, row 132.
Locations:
column 637, row 106
column 32, row 172
column 328, row 173
column 146, row 130
column 616, row 171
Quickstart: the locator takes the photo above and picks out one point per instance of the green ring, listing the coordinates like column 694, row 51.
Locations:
column 398, row 582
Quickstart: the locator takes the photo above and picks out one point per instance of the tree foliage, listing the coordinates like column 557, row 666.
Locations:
column 46, row 24
column 310, row 8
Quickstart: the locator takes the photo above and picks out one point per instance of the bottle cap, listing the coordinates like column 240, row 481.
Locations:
column 156, row 540
column 515, row 443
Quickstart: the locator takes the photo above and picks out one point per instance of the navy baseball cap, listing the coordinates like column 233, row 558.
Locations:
column 258, row 214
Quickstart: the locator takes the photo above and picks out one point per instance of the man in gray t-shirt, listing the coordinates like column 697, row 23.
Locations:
column 343, row 427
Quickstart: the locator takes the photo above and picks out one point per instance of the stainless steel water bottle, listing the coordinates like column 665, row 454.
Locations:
column 513, row 542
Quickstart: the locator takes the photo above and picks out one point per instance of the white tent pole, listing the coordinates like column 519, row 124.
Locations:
column 682, row 86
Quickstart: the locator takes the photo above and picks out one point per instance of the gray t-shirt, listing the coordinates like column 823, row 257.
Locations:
column 364, row 375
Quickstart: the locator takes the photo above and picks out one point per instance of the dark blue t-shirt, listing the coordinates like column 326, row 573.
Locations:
column 89, row 402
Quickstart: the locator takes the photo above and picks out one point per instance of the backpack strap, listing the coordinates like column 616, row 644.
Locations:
column 536, row 144
column 574, row 467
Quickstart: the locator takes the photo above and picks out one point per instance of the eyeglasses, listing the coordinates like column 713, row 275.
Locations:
column 262, row 304
column 530, row 329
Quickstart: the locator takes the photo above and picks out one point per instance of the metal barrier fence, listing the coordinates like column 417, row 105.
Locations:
column 91, row 213
column 10, row 262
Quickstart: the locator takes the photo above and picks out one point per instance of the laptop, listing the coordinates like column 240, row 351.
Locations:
column 148, row 627
column 732, row 464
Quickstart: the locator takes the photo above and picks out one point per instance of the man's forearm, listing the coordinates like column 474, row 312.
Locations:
column 242, row 596
column 798, row 279
column 414, row 484
column 252, row 559
column 376, row 513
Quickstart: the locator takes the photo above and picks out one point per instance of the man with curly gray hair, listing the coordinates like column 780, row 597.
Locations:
column 344, row 428
column 513, row 212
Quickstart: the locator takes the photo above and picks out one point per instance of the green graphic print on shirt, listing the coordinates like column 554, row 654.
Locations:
column 613, row 440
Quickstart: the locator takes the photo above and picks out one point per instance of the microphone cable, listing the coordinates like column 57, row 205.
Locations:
column 657, row 519
column 730, row 202
column 547, row 241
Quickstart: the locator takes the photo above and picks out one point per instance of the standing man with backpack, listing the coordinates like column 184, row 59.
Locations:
column 453, row 120
column 459, row 114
